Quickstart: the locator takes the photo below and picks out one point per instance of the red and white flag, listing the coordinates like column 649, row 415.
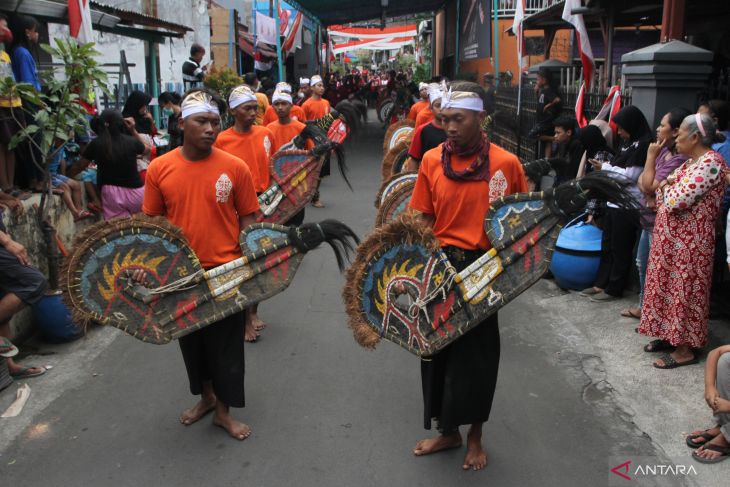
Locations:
column 517, row 30
column 79, row 21
column 586, row 54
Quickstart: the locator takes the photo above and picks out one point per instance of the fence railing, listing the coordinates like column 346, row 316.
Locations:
column 512, row 132
column 506, row 8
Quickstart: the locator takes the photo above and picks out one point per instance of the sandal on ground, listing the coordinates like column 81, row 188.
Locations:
column 631, row 313
column 722, row 450
column 658, row 345
column 670, row 363
column 26, row 373
column 704, row 435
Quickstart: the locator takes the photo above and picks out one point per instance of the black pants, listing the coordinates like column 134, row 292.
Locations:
column 617, row 252
column 27, row 283
column 215, row 354
column 459, row 381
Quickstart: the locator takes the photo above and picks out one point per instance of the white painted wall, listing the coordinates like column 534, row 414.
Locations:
column 172, row 54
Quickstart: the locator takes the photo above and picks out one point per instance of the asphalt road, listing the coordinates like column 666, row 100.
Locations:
column 324, row 412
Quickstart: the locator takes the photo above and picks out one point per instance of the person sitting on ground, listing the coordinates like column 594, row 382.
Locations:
column 661, row 160
column 570, row 150
column 549, row 106
column 420, row 104
column 169, row 101
column 70, row 188
column 429, row 135
column 677, row 288
column 115, row 151
column 713, row 444
column 21, row 285
column 296, row 112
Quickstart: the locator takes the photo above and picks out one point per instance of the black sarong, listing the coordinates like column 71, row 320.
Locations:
column 459, row 381
column 215, row 354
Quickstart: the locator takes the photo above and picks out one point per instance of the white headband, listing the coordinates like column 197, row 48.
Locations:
column 462, row 99
column 281, row 96
column 285, row 87
column 240, row 95
column 434, row 93
column 422, row 86
column 198, row 102
column 303, row 81
column 315, row 79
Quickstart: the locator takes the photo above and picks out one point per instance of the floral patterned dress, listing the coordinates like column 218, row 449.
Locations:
column 677, row 289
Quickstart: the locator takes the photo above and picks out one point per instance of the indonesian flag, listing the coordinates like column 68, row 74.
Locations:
column 517, row 30
column 283, row 18
column 611, row 105
column 586, row 54
column 79, row 21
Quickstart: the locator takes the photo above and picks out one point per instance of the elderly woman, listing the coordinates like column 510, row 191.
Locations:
column 677, row 287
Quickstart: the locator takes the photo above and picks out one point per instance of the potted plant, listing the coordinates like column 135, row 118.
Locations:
column 52, row 118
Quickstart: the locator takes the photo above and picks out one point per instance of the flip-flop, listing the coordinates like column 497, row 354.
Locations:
column 670, row 363
column 7, row 349
column 25, row 373
column 658, row 345
column 629, row 313
column 83, row 214
column 723, row 450
column 704, row 435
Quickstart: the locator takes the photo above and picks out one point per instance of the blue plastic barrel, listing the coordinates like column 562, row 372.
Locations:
column 54, row 321
column 577, row 256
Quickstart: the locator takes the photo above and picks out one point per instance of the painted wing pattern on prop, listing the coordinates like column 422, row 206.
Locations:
column 294, row 175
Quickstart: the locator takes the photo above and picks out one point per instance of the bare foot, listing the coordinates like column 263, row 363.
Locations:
column 434, row 445
column 476, row 457
column 249, row 332
column 258, row 323
column 696, row 436
column 203, row 407
column 236, row 429
column 318, row 204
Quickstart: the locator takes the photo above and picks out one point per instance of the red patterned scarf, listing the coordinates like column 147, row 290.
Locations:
column 477, row 170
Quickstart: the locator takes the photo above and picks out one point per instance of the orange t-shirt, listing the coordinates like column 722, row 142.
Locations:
column 416, row 109
column 283, row 134
column 296, row 114
column 204, row 198
column 314, row 109
column 254, row 148
column 424, row 116
column 263, row 102
column 460, row 206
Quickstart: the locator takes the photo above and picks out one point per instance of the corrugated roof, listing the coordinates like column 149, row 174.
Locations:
column 129, row 17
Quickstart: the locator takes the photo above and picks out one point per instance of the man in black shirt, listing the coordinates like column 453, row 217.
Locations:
column 193, row 73
column 429, row 135
column 570, row 150
column 490, row 93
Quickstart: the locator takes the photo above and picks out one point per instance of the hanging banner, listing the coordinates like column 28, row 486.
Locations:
column 373, row 33
column 475, row 30
column 265, row 28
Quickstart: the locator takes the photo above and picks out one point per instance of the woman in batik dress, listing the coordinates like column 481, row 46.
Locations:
column 677, row 289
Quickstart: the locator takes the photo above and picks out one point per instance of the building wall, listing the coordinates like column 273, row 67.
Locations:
column 191, row 13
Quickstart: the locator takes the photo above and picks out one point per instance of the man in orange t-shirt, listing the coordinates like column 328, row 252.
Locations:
column 209, row 194
column 424, row 116
column 316, row 107
column 296, row 111
column 245, row 140
column 457, row 182
column 420, row 104
column 253, row 144
column 284, row 130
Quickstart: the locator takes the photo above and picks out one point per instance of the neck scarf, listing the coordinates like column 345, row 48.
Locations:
column 477, row 170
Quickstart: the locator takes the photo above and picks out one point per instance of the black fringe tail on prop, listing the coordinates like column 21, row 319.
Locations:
column 569, row 199
column 336, row 234
column 535, row 170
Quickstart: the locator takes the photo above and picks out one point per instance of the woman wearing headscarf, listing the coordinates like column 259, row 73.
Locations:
column 136, row 108
column 619, row 232
column 677, row 290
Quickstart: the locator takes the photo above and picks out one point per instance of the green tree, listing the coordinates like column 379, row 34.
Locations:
column 55, row 116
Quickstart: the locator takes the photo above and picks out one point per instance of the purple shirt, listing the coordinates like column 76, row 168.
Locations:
column 665, row 164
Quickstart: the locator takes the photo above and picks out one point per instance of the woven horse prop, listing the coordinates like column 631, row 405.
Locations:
column 180, row 296
column 295, row 172
column 401, row 286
